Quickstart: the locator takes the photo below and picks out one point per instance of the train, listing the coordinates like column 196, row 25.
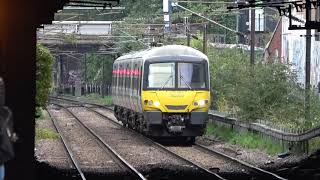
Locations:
column 162, row 91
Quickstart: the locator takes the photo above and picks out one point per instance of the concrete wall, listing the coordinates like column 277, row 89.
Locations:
column 294, row 50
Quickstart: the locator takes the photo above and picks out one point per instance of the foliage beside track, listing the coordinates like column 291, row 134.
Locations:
column 41, row 132
column 94, row 68
column 45, row 133
column 267, row 91
column 44, row 62
column 246, row 140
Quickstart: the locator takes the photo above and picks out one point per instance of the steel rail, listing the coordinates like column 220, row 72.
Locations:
column 254, row 168
column 79, row 102
column 65, row 145
column 163, row 148
column 120, row 159
column 159, row 145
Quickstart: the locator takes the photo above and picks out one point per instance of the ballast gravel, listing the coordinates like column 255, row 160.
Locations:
column 133, row 148
column 91, row 157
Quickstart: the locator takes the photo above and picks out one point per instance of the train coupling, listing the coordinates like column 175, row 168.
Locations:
column 176, row 129
column 175, row 122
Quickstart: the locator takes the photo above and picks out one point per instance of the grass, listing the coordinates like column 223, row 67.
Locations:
column 45, row 133
column 96, row 98
column 245, row 139
column 314, row 144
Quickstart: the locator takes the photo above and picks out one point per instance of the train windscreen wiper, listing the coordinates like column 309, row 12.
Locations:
column 181, row 77
column 165, row 83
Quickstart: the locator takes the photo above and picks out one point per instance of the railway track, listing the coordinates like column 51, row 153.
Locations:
column 263, row 173
column 257, row 173
column 163, row 148
column 71, row 156
column 121, row 162
column 209, row 173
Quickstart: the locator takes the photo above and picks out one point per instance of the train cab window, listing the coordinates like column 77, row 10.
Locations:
column 192, row 75
column 161, row 75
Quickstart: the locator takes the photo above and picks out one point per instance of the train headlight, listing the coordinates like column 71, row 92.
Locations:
column 156, row 103
column 150, row 103
column 201, row 103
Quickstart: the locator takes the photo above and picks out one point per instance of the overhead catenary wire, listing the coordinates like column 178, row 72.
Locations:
column 212, row 21
column 205, row 2
column 134, row 38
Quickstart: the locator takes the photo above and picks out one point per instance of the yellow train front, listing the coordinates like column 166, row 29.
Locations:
column 163, row 91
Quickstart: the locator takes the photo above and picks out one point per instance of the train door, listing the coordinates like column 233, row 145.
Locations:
column 130, row 85
column 135, row 86
column 139, row 88
column 117, row 83
column 114, row 83
column 123, row 85
column 127, row 84
column 120, row 87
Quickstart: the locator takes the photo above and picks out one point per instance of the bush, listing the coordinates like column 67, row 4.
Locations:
column 267, row 91
column 44, row 62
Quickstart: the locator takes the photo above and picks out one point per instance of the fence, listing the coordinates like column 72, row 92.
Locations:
column 85, row 89
column 296, row 139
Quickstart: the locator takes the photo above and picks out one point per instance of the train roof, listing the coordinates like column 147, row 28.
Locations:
column 169, row 50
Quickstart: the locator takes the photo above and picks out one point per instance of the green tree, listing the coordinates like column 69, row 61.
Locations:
column 44, row 62
column 94, row 68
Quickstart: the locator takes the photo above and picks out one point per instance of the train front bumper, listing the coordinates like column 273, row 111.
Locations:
column 194, row 126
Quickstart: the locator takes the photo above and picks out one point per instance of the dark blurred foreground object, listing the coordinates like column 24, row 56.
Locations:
column 7, row 135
